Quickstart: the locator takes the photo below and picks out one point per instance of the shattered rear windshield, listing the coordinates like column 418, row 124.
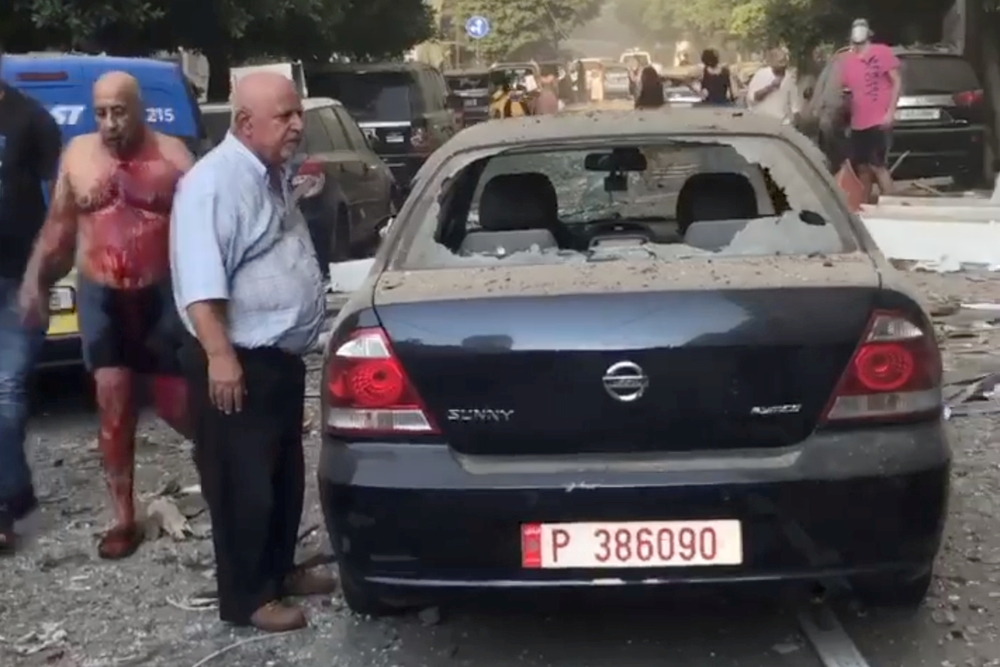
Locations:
column 751, row 196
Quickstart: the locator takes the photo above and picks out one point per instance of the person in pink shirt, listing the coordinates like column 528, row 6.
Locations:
column 870, row 73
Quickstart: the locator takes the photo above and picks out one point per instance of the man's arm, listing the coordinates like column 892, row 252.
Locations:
column 55, row 248
column 175, row 152
column 201, row 231
column 892, row 65
column 757, row 90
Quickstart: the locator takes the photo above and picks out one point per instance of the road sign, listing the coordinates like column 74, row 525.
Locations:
column 477, row 27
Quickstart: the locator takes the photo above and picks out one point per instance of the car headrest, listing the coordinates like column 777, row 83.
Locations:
column 715, row 196
column 518, row 201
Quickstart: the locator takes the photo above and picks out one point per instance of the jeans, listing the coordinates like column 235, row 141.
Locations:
column 19, row 348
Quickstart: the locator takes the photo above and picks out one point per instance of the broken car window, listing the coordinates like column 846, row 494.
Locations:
column 684, row 198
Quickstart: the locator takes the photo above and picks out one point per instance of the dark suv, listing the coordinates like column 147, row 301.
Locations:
column 402, row 107
column 941, row 120
column 343, row 189
column 472, row 89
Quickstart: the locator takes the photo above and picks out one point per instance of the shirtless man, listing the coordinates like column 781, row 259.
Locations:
column 110, row 212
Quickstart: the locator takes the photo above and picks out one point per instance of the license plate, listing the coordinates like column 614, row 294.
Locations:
column 631, row 544
column 394, row 139
column 918, row 114
column 470, row 103
column 61, row 299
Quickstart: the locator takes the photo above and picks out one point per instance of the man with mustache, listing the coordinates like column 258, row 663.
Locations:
column 110, row 214
column 250, row 292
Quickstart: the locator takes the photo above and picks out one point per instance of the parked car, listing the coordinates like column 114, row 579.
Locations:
column 681, row 93
column 723, row 369
column 941, row 119
column 401, row 107
column 472, row 87
column 344, row 188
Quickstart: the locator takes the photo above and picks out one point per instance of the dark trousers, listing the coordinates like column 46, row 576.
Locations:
column 252, row 474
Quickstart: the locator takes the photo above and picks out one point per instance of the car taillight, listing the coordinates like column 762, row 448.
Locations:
column 969, row 98
column 895, row 373
column 368, row 392
column 309, row 179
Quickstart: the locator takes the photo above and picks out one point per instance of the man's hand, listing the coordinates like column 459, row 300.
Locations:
column 225, row 383
column 34, row 305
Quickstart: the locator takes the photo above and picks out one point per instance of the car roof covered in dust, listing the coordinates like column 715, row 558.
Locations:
column 610, row 123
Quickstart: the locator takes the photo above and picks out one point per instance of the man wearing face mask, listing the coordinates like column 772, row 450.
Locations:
column 772, row 90
column 250, row 292
column 870, row 74
column 110, row 212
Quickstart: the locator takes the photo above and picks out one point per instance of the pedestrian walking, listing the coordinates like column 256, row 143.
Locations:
column 650, row 90
column 547, row 99
column 251, row 296
column 582, row 93
column 772, row 90
column 29, row 156
column 870, row 72
column 111, row 208
column 716, row 80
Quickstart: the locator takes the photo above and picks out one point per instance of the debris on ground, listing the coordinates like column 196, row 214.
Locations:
column 163, row 517
column 49, row 636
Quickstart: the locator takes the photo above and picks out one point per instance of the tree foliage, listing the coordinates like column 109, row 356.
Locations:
column 521, row 23
column 224, row 30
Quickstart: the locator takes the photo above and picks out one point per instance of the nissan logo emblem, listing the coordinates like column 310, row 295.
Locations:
column 625, row 381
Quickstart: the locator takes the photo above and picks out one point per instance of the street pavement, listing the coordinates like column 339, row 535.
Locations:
column 61, row 605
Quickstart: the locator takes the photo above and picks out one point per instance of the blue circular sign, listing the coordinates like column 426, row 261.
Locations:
column 477, row 27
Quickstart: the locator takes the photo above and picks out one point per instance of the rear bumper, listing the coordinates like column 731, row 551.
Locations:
column 936, row 152
column 409, row 517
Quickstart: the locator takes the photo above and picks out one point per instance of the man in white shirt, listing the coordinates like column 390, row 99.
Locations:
column 772, row 91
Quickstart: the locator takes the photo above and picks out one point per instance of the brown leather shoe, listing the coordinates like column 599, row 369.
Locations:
column 278, row 617
column 302, row 583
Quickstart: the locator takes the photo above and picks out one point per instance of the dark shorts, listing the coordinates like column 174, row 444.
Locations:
column 136, row 329
column 869, row 147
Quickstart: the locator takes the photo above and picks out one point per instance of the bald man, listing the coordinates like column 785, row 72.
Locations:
column 110, row 213
column 252, row 298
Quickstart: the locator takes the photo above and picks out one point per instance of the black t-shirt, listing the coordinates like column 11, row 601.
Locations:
column 717, row 85
column 30, row 144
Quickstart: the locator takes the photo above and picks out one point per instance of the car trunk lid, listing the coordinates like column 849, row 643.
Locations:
column 570, row 359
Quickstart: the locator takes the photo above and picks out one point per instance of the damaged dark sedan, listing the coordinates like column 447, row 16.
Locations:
column 631, row 349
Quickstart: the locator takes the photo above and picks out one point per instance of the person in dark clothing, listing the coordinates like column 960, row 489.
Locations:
column 650, row 90
column 582, row 96
column 716, row 80
column 30, row 144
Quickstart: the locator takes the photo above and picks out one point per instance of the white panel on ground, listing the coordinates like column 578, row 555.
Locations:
column 950, row 243
column 935, row 202
column 953, row 213
column 947, row 231
column 829, row 639
column 345, row 277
